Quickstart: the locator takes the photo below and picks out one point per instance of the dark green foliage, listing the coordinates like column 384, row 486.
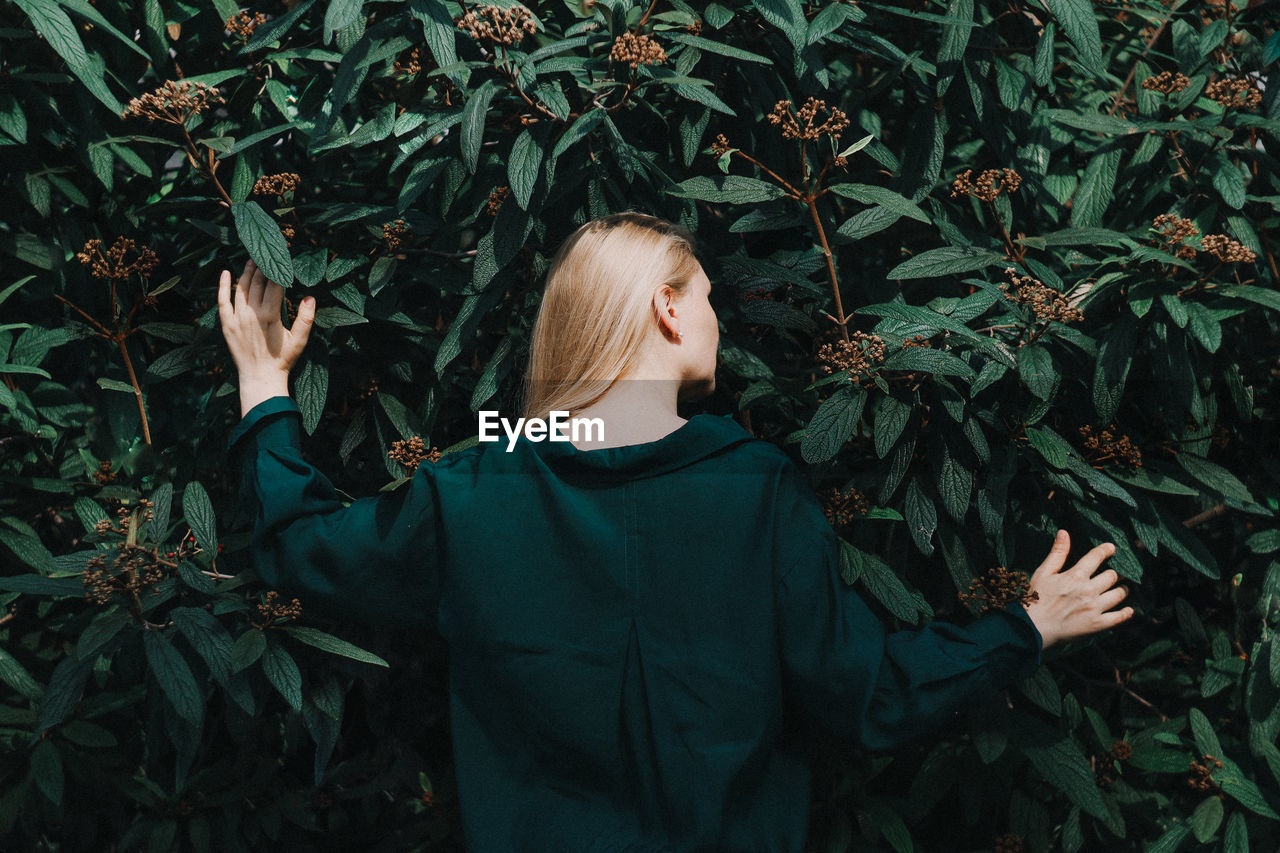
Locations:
column 996, row 171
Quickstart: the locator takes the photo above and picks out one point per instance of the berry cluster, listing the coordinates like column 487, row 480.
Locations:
column 1234, row 92
column 917, row 341
column 997, row 588
column 1111, row 445
column 990, row 183
column 395, row 233
column 411, row 64
column 851, row 355
column 272, row 609
column 1166, row 82
column 721, row 146
column 1200, row 778
column 636, row 50
column 496, row 198
column 1227, row 250
column 840, row 507
column 288, row 232
column 803, row 125
column 279, row 184
column 1008, row 843
column 104, row 474
column 411, row 451
column 756, row 295
column 174, row 102
column 497, row 25
column 1047, row 303
column 1173, row 231
column 113, row 265
column 242, row 26
column 134, row 568
column 1105, row 765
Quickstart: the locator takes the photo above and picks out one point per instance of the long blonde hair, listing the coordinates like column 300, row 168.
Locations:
column 597, row 307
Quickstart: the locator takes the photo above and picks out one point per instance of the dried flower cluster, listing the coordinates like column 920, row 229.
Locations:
column 721, row 146
column 1111, row 445
column 370, row 388
column 1173, row 232
column 1227, row 250
column 496, row 198
column 1166, row 82
column 803, row 125
column 272, row 609
column 756, row 295
column 104, row 474
column 841, row 507
column 133, row 569
column 501, row 26
column 113, row 264
column 1047, row 303
column 411, row 451
column 412, row 64
column 289, row 233
column 278, row 185
column 1234, row 92
column 174, row 102
column 851, row 355
column 990, row 183
column 243, row 25
column 997, row 588
column 1008, row 843
column 395, row 233
column 636, row 50
column 917, row 341
column 1104, row 765
column 1200, row 779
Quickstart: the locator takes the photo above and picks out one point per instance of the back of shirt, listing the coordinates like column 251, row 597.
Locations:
column 636, row 634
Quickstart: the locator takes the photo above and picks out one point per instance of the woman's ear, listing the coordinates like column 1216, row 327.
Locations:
column 664, row 308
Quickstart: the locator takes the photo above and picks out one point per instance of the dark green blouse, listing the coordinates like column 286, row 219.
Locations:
column 638, row 635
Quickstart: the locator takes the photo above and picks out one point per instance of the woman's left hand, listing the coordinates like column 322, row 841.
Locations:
column 263, row 349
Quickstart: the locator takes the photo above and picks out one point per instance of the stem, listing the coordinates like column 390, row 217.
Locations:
column 1008, row 243
column 100, row 327
column 644, row 19
column 194, row 153
column 796, row 194
column 137, row 389
column 831, row 268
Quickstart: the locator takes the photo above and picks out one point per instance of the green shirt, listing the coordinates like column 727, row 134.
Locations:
column 638, row 636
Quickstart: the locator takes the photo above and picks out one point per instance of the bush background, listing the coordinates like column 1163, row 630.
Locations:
column 180, row 710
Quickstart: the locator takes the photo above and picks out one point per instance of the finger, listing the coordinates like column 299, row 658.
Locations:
column 1105, row 579
column 1057, row 554
column 242, row 286
column 1113, row 619
column 257, row 286
column 271, row 301
column 1089, row 563
column 225, row 307
column 1112, row 597
column 301, row 329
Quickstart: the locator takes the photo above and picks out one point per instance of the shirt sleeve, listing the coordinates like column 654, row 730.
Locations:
column 375, row 560
column 866, row 686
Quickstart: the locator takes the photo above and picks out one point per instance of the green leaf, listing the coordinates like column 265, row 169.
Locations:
column 871, row 194
column 891, row 420
column 733, row 189
column 46, row 769
column 948, row 260
column 208, row 637
column 716, row 47
column 333, row 645
column 921, row 515
column 1096, row 188
column 955, row 484
column 1206, row 738
column 247, row 648
column 1245, row 791
column 1260, row 295
column 174, row 676
column 1214, row 476
column 928, row 360
column 831, row 426
column 1236, row 838
column 955, row 38
column 1035, row 367
column 312, row 388
column 264, row 242
column 61, row 696
column 1081, row 25
column 197, row 509
column 339, row 15
column 283, row 673
column 879, row 579
column 473, row 118
column 523, row 166
column 16, row 676
column 1063, row 765
column 57, row 28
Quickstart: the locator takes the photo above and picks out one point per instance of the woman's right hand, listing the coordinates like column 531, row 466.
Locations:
column 1074, row 603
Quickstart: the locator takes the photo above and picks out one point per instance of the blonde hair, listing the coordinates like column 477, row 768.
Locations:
column 597, row 307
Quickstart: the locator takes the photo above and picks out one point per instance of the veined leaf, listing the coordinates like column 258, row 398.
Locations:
column 333, row 645
column 262, row 238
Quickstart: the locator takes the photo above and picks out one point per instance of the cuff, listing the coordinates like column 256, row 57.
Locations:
column 262, row 426
column 1014, row 644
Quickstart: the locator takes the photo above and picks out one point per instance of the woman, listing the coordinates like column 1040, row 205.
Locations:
column 641, row 625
